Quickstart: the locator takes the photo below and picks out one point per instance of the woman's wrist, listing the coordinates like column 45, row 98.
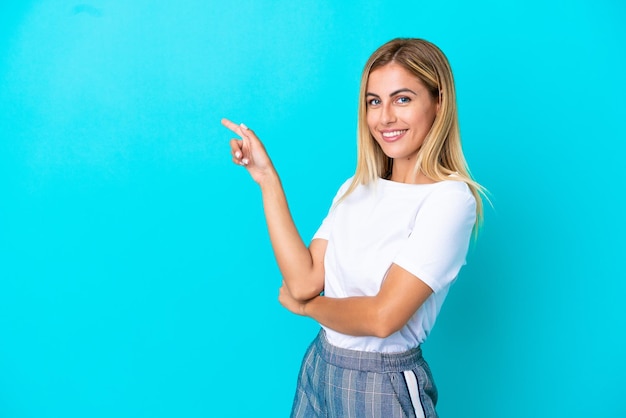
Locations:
column 269, row 180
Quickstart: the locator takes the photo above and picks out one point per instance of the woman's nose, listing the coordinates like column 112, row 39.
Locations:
column 388, row 116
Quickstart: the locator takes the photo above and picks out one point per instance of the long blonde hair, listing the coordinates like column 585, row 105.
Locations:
column 441, row 154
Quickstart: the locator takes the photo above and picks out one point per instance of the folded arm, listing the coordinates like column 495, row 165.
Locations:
column 400, row 296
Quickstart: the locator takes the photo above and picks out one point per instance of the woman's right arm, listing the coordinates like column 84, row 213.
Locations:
column 302, row 268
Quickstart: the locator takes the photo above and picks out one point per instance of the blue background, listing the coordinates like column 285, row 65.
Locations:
column 136, row 276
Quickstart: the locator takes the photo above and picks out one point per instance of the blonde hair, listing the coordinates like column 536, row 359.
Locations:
column 441, row 154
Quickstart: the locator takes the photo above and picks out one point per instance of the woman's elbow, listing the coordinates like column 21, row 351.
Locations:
column 304, row 293
column 385, row 325
column 384, row 330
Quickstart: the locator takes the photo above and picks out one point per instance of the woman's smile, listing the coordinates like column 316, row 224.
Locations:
column 392, row 136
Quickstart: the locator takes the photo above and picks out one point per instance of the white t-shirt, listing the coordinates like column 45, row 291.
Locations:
column 423, row 228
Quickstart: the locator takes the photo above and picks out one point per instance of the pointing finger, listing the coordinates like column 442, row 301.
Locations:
column 232, row 126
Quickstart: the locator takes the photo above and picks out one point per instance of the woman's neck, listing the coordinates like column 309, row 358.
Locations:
column 402, row 171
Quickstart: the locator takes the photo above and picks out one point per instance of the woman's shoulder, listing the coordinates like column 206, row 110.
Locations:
column 453, row 185
column 452, row 192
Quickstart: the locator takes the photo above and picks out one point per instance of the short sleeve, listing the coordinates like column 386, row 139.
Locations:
column 437, row 246
column 323, row 231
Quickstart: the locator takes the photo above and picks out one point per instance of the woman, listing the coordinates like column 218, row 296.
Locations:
column 390, row 247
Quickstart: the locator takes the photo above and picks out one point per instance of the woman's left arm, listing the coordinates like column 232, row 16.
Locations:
column 400, row 296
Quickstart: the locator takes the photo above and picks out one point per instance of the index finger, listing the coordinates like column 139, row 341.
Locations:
column 232, row 126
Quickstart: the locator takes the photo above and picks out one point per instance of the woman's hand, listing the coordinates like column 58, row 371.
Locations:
column 249, row 152
column 289, row 302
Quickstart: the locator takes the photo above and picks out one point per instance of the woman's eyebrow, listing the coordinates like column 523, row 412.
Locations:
column 404, row 90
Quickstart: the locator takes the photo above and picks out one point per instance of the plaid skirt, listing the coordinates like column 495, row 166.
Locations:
column 339, row 383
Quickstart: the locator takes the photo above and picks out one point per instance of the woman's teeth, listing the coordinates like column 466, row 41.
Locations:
column 393, row 133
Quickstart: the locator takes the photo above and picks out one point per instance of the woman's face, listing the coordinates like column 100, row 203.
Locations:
column 400, row 111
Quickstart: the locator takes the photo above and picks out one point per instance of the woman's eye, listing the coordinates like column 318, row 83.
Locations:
column 403, row 100
column 373, row 102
